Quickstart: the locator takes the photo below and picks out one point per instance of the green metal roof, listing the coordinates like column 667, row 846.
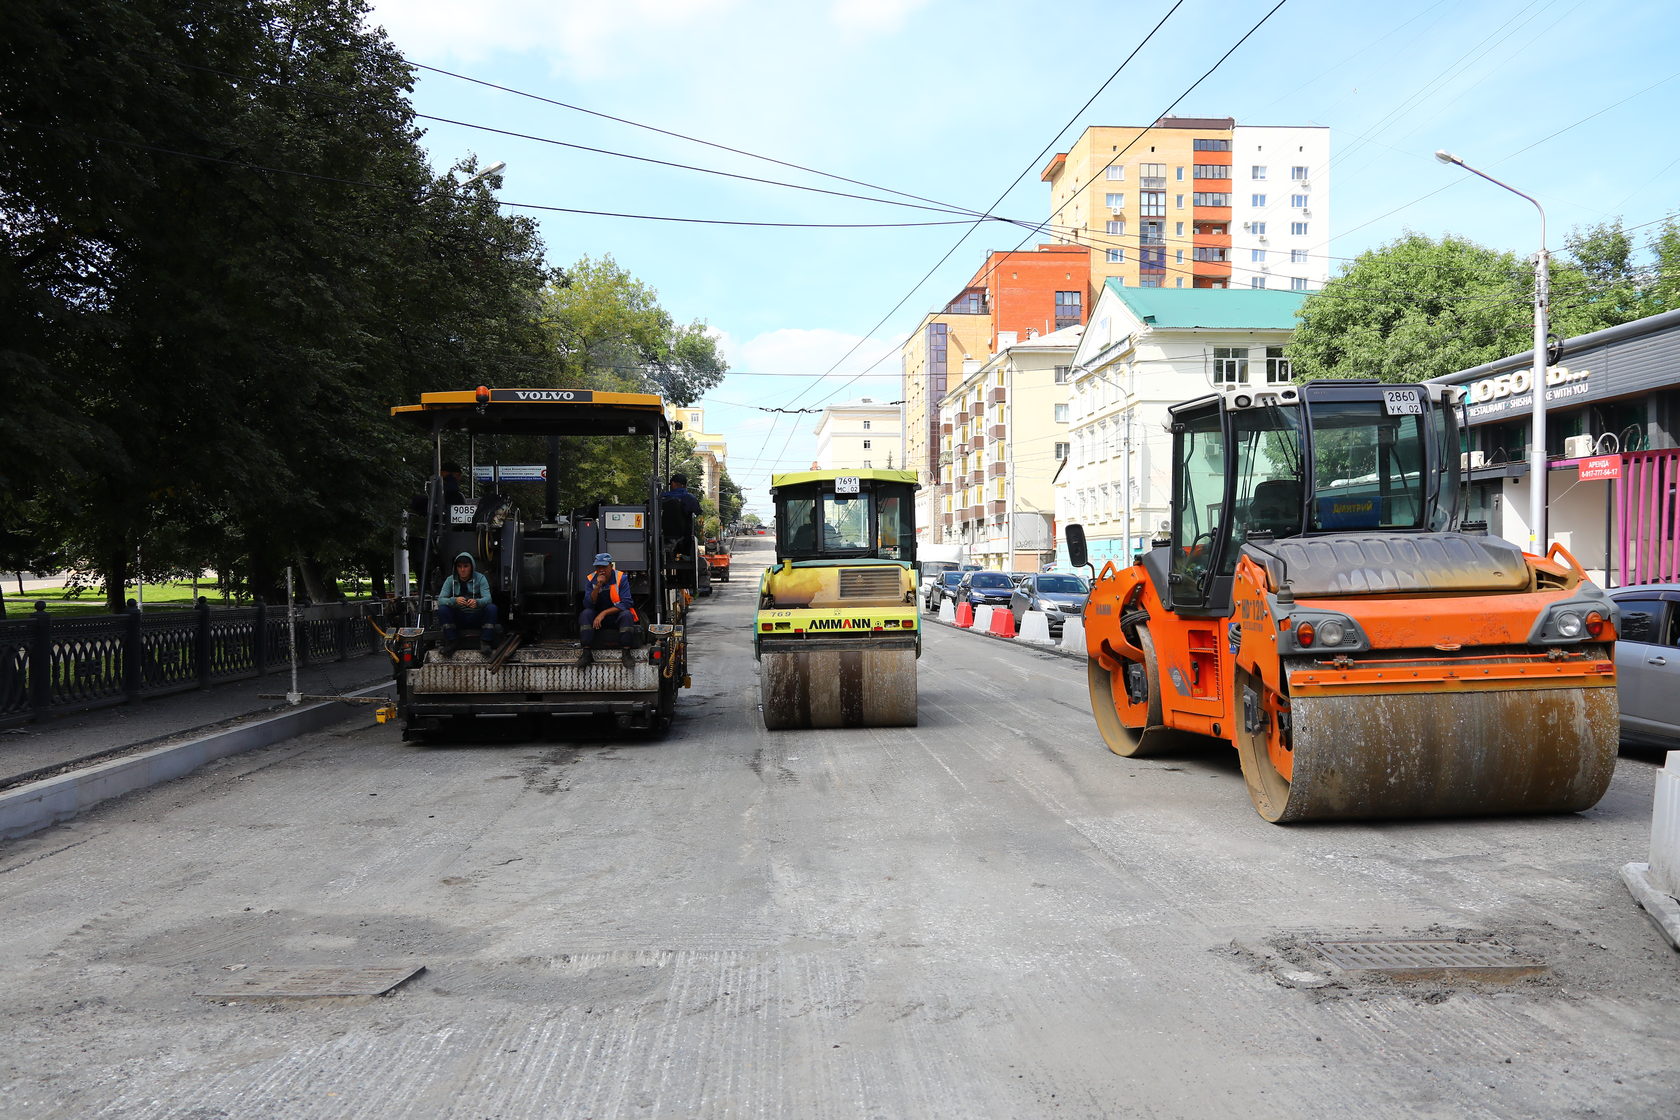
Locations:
column 1234, row 308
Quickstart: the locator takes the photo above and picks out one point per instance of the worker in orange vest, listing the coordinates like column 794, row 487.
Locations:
column 607, row 601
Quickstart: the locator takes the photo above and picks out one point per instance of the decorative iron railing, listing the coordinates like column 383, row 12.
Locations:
column 52, row 664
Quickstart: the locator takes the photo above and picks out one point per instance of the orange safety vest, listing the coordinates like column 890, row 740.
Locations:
column 612, row 592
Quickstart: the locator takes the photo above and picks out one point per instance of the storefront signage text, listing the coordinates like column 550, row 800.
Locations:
column 1494, row 395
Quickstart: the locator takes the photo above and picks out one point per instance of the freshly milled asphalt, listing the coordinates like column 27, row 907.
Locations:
column 985, row 915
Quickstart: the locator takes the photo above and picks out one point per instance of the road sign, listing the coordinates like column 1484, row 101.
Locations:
column 526, row 473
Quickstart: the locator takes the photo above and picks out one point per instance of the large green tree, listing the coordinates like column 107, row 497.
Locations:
column 226, row 257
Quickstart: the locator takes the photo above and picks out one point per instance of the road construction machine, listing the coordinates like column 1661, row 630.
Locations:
column 1320, row 605
column 538, row 559
column 837, row 632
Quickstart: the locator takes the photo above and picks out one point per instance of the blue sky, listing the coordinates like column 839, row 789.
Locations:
column 1571, row 101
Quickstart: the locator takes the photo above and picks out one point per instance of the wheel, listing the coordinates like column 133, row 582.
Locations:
column 1127, row 702
column 1262, row 737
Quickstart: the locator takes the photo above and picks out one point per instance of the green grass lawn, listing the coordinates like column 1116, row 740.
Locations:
column 159, row 597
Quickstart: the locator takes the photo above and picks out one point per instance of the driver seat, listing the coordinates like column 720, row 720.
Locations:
column 1276, row 505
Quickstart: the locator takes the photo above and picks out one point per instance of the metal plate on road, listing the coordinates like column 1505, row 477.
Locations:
column 1426, row 956
column 315, row 983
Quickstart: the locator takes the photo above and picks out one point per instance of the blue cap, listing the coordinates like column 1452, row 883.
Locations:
column 603, row 559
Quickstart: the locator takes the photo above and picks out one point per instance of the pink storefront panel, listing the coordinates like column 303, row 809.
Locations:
column 1648, row 509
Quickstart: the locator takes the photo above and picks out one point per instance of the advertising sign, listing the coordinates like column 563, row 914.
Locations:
column 1600, row 466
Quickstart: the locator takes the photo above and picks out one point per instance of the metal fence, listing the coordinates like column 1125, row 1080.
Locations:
column 52, row 664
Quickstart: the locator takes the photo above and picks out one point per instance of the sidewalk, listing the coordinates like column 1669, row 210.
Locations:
column 60, row 741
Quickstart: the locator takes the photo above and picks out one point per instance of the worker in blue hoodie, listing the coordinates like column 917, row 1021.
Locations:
column 465, row 600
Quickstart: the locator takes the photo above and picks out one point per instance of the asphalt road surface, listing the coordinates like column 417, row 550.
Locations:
column 986, row 915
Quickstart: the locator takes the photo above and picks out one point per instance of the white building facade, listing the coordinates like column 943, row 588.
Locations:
column 1280, row 207
column 1144, row 351
column 863, row 434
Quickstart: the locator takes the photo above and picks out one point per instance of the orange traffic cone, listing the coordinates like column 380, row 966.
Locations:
column 965, row 614
column 1003, row 623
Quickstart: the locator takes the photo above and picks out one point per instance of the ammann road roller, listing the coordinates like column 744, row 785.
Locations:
column 1320, row 605
column 837, row 632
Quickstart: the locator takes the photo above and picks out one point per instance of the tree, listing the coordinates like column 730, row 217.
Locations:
column 609, row 332
column 1414, row 309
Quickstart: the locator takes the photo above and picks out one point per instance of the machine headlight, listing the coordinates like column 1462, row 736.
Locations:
column 1331, row 633
column 1568, row 624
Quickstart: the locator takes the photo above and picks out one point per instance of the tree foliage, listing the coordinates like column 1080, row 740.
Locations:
column 1419, row 308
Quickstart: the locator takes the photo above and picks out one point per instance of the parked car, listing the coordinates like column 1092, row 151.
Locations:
column 940, row 588
column 989, row 588
column 1648, row 663
column 1058, row 595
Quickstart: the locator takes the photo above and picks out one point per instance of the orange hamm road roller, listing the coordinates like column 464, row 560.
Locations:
column 1320, row 606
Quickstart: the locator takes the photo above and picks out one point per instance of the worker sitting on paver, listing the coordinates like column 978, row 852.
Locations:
column 606, row 598
column 465, row 601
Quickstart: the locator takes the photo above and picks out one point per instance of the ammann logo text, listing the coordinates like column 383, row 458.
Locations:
column 839, row 624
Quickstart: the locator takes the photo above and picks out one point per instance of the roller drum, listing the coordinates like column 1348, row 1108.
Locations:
column 1438, row 754
column 837, row 688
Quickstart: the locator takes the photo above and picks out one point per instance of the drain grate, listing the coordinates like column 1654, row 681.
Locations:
column 314, row 983
column 1423, row 957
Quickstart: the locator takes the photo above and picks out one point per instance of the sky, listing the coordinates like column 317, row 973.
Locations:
column 961, row 102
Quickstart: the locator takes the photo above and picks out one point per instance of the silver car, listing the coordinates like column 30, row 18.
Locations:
column 1648, row 663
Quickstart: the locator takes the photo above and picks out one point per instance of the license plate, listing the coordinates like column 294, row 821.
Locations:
column 846, row 484
column 1402, row 402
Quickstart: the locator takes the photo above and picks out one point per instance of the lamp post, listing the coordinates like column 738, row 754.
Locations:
column 1537, row 535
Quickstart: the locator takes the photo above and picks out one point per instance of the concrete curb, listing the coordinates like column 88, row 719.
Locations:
column 1662, row 908
column 1071, row 655
column 38, row 805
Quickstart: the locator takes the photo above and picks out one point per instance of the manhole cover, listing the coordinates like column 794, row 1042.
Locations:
column 306, row 983
column 1428, row 958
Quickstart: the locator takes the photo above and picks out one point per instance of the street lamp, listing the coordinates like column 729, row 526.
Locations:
column 486, row 173
column 1537, row 534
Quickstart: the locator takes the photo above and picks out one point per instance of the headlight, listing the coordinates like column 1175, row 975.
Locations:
column 1568, row 624
column 1050, row 608
column 1331, row 632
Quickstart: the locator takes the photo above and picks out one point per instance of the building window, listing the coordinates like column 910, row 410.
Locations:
column 1210, row 253
column 866, row 445
column 1178, row 229
column 1297, row 256
column 1298, row 228
column 1061, row 451
column 866, row 464
column 1116, row 226
column 1202, row 198
column 1257, row 281
column 1062, row 374
column 1152, row 176
column 1180, row 258
column 866, row 424
column 1257, row 254
column 1300, row 201
column 1278, row 370
column 1117, row 281
column 1152, row 204
column 1257, row 200
column 1211, row 145
column 1180, row 282
column 1298, row 284
column 1116, row 256
column 1258, row 229
column 1230, row 365
column 1061, row 414
column 1213, row 171
column 1149, row 281
column 1116, row 172
column 1068, row 306
column 1115, row 200
column 1298, row 173
column 1258, row 171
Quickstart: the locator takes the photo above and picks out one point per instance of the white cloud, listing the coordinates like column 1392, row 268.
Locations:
column 585, row 38
column 872, row 16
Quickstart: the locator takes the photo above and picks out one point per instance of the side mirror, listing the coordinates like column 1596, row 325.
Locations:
column 1078, row 555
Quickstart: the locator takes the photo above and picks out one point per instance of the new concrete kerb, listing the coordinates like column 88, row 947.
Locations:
column 38, row 805
column 1075, row 655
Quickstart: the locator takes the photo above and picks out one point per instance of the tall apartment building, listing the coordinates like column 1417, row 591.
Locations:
column 1002, row 440
column 1016, row 294
column 859, row 435
column 1197, row 202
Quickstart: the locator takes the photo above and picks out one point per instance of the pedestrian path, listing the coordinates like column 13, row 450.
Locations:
column 31, row 748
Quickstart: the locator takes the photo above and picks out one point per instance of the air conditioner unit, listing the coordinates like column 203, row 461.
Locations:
column 1246, row 225
column 1470, row 460
column 1577, row 447
column 1305, row 213
column 1116, row 213
column 1262, row 237
column 1304, row 184
column 1265, row 268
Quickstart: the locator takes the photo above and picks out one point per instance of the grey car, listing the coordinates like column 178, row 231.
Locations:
column 1648, row 663
column 1058, row 595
